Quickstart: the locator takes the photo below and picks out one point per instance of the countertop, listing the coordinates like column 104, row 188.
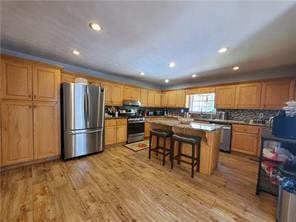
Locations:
column 218, row 121
column 194, row 125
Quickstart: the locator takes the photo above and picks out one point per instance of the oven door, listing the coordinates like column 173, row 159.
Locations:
column 135, row 131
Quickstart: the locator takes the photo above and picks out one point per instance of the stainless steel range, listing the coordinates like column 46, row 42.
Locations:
column 135, row 129
column 135, row 121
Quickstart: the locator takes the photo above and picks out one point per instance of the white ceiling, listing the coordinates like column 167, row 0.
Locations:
column 146, row 36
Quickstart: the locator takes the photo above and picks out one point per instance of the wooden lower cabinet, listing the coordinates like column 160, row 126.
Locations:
column 110, row 135
column 115, row 131
column 46, row 129
column 121, row 136
column 245, row 139
column 17, row 132
column 30, row 131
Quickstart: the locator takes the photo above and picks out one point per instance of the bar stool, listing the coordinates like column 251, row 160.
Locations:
column 194, row 141
column 160, row 134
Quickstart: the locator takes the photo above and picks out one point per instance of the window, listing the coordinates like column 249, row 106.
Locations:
column 202, row 103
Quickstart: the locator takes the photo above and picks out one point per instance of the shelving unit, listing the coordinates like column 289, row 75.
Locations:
column 264, row 183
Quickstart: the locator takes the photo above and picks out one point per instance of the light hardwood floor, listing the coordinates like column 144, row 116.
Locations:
column 121, row 185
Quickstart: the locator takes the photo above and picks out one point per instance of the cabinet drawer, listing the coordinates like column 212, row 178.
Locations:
column 121, row 122
column 110, row 122
column 245, row 129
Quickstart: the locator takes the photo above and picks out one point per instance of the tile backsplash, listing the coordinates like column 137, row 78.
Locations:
column 247, row 115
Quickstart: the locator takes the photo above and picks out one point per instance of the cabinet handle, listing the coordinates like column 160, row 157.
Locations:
column 30, row 107
column 34, row 96
column 29, row 96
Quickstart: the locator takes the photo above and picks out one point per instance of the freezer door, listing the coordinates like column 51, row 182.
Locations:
column 83, row 106
column 82, row 142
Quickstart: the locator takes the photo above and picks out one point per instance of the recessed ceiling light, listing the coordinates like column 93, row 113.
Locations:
column 172, row 64
column 142, row 73
column 167, row 81
column 194, row 75
column 95, row 26
column 235, row 68
column 75, row 52
column 223, row 50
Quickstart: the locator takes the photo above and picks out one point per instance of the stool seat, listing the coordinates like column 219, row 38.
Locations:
column 161, row 133
column 187, row 139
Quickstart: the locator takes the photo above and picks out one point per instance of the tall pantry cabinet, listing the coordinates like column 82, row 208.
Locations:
column 30, row 111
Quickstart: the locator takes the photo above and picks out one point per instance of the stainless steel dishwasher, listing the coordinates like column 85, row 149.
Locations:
column 225, row 140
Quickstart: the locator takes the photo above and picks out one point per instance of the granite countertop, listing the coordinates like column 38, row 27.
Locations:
column 230, row 122
column 194, row 125
column 112, row 117
column 222, row 121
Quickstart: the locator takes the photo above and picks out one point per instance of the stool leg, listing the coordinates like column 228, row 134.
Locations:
column 179, row 151
column 172, row 152
column 192, row 160
column 157, row 144
column 150, row 138
column 198, row 157
column 164, row 144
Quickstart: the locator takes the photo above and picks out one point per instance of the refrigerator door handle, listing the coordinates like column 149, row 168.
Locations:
column 84, row 131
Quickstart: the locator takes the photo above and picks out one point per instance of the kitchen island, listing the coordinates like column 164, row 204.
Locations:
column 210, row 134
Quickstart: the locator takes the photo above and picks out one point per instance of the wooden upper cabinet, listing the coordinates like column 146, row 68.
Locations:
column 248, row 96
column 16, row 78
column 108, row 92
column 117, row 91
column 144, row 97
column 157, row 99
column 151, row 98
column 225, row 97
column 180, row 98
column 171, row 99
column 164, row 99
column 68, row 78
column 17, row 132
column 46, row 129
column 132, row 93
column 276, row 93
column 46, row 83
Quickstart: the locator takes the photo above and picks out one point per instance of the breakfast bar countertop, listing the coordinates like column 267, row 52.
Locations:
column 194, row 125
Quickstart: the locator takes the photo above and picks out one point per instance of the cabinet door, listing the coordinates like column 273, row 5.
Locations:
column 108, row 92
column 157, row 99
column 151, row 98
column 46, row 83
column 171, row 98
column 121, row 134
column 68, row 78
column 180, row 98
column 248, row 96
column 46, row 129
column 164, row 99
column 117, row 95
column 225, row 97
column 276, row 93
column 17, row 132
column 144, row 97
column 110, row 135
column 132, row 93
column 245, row 143
column 16, row 78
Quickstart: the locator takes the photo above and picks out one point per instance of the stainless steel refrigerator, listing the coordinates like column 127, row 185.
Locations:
column 83, row 119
